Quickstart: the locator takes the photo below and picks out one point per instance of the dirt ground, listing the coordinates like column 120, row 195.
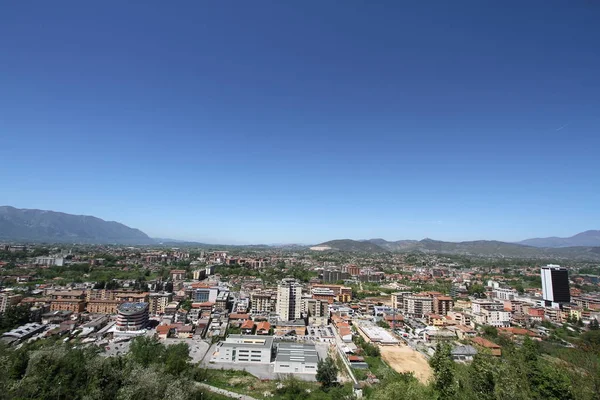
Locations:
column 404, row 359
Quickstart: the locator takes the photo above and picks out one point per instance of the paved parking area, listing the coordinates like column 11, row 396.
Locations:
column 198, row 347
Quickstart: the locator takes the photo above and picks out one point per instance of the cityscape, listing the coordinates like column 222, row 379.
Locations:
column 299, row 200
column 260, row 316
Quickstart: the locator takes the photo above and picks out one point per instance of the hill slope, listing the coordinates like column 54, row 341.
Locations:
column 489, row 248
column 587, row 238
column 353, row 245
column 50, row 226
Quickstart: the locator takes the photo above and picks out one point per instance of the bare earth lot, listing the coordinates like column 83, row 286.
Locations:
column 404, row 359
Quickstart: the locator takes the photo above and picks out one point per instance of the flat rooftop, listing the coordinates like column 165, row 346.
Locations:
column 257, row 341
column 295, row 352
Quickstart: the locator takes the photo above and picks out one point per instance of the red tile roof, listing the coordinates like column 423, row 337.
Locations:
column 249, row 324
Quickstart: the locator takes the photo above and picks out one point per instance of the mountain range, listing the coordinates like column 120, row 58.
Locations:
column 480, row 248
column 55, row 227
column 587, row 238
column 26, row 225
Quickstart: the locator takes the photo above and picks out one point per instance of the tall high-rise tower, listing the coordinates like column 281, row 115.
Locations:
column 289, row 300
column 555, row 285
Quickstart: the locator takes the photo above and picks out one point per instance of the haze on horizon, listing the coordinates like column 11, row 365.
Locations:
column 266, row 122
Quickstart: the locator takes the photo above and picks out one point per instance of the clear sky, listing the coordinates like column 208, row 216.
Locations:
column 267, row 122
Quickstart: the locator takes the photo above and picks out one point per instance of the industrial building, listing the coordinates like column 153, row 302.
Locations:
column 295, row 358
column 244, row 349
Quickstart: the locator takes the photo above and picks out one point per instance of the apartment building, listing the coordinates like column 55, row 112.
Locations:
column 503, row 294
column 332, row 276
column 317, row 310
column 263, row 301
column 485, row 312
column 398, row 299
column 442, row 304
column 158, row 302
column 417, row 306
column 343, row 293
column 102, row 306
column 73, row 300
column 8, row 299
column 324, row 294
column 289, row 294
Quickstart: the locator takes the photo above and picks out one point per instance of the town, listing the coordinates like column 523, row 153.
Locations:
column 265, row 314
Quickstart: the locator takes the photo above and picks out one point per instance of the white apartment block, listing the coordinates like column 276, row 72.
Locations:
column 485, row 312
column 504, row 294
column 289, row 300
column 499, row 319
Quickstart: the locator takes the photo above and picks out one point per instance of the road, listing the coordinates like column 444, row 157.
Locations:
column 225, row 392
column 338, row 346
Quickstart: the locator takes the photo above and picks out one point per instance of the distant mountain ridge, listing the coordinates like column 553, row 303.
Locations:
column 488, row 248
column 353, row 245
column 587, row 238
column 30, row 225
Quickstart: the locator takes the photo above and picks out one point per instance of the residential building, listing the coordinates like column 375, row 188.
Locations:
column 177, row 274
column 343, row 293
column 463, row 353
column 398, row 299
column 295, row 358
column 73, row 300
column 158, row 302
column 8, row 299
column 504, row 294
column 332, row 276
column 102, row 306
column 263, row 302
column 50, row 261
column 417, row 306
column 286, row 328
column 318, row 311
column 289, row 293
column 353, row 270
column 442, row 304
column 222, row 300
column 324, row 294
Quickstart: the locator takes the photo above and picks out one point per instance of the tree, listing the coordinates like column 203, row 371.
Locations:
column 176, row 358
column 327, row 372
column 443, row 371
column 594, row 325
column 481, row 376
column 476, row 290
column 14, row 316
column 145, row 350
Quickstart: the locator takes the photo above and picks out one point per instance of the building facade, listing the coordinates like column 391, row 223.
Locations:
column 555, row 285
column 132, row 316
column 289, row 294
column 244, row 349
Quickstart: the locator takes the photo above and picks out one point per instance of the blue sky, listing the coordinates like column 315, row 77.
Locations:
column 248, row 122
